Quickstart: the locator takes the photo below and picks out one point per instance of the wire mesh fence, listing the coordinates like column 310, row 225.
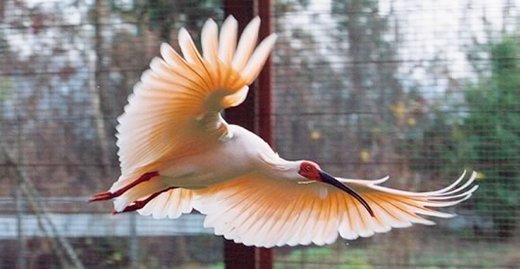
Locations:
column 415, row 90
column 418, row 90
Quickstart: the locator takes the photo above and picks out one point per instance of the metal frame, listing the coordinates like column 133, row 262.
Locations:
column 254, row 114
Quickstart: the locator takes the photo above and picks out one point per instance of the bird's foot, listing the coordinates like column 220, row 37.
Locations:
column 141, row 203
column 102, row 196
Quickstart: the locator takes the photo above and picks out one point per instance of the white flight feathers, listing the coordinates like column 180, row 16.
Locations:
column 243, row 58
column 178, row 89
column 265, row 212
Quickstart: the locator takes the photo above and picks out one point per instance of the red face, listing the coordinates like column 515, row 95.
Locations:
column 310, row 170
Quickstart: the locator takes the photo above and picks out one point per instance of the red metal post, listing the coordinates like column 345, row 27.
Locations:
column 254, row 114
column 265, row 82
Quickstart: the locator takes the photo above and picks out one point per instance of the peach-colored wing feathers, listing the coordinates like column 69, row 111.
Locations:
column 177, row 102
column 258, row 210
column 175, row 108
column 169, row 204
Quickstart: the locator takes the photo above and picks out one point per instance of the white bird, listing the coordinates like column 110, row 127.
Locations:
column 177, row 153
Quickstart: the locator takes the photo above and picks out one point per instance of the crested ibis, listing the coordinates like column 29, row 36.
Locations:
column 177, row 153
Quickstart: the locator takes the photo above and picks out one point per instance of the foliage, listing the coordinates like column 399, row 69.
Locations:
column 440, row 148
column 485, row 137
column 492, row 133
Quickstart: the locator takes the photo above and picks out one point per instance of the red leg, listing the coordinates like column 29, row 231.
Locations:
column 141, row 203
column 110, row 195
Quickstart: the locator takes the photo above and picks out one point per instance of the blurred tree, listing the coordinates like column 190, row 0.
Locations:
column 161, row 16
column 492, row 132
column 340, row 78
column 484, row 137
column 374, row 88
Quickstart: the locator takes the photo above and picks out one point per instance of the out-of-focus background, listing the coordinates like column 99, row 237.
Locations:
column 418, row 90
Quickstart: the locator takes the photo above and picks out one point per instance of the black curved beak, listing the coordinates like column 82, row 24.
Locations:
column 334, row 182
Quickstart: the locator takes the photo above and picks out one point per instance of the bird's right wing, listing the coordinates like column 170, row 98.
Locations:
column 175, row 108
column 264, row 211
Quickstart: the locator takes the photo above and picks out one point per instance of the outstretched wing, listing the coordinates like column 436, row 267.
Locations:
column 174, row 109
column 265, row 212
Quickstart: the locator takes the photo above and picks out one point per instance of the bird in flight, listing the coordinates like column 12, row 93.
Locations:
column 177, row 153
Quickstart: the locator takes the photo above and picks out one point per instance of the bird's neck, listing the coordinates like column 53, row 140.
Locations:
column 277, row 167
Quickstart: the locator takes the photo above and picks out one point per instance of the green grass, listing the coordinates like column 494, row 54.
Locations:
column 321, row 257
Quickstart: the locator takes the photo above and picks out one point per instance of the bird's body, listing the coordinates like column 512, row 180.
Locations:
column 177, row 153
column 199, row 169
column 203, row 169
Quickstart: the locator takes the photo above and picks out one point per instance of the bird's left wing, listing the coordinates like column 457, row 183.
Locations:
column 264, row 211
column 175, row 107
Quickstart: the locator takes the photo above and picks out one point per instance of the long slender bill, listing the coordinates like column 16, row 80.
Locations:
column 334, row 182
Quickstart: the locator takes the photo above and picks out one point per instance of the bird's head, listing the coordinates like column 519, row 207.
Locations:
column 312, row 171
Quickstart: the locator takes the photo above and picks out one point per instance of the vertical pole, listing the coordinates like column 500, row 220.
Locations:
column 265, row 82
column 254, row 114
column 133, row 250
column 20, row 211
